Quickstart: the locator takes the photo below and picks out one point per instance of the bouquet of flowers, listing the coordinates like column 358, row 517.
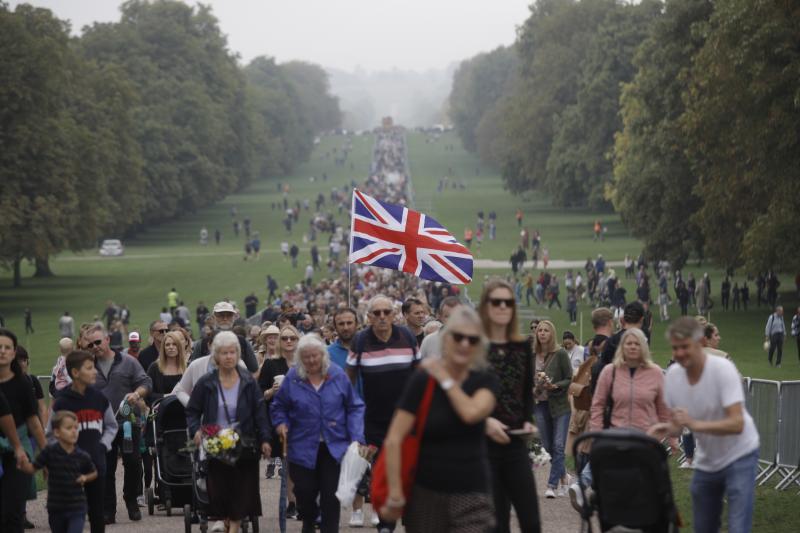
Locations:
column 537, row 453
column 541, row 381
column 222, row 444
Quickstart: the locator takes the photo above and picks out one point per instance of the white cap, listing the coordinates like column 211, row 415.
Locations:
column 224, row 307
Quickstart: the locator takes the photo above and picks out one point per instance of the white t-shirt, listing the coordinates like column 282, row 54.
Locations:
column 576, row 357
column 719, row 387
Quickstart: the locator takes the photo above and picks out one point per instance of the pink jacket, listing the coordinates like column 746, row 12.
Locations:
column 638, row 401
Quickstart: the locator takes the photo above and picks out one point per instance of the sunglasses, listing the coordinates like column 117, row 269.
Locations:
column 473, row 340
column 289, row 339
column 497, row 302
column 381, row 312
column 165, row 330
column 93, row 344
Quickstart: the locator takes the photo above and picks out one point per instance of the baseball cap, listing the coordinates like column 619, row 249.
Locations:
column 271, row 330
column 224, row 307
column 133, row 336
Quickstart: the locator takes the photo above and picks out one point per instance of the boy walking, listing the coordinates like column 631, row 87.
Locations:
column 97, row 426
column 69, row 469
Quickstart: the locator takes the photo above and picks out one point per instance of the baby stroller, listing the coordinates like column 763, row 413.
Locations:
column 631, row 483
column 199, row 477
column 172, row 484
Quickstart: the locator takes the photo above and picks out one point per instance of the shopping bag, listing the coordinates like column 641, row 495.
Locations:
column 350, row 474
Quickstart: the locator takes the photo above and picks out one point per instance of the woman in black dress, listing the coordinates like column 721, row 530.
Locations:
column 511, row 360
column 229, row 397
column 15, row 484
column 452, row 488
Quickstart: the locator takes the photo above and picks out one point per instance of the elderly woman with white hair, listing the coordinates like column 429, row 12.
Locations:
column 228, row 396
column 319, row 411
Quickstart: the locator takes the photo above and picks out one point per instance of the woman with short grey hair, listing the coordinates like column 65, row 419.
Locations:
column 228, row 396
column 319, row 412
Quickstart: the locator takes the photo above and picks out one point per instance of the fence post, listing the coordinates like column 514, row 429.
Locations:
column 789, row 437
column 764, row 408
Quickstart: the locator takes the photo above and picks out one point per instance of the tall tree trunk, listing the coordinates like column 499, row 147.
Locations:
column 43, row 268
column 17, row 275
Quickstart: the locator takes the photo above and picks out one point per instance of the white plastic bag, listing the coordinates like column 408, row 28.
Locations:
column 352, row 470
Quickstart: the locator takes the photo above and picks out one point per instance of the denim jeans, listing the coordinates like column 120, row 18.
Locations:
column 553, row 432
column 66, row 521
column 737, row 481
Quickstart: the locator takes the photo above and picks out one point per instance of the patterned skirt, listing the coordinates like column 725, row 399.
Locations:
column 429, row 511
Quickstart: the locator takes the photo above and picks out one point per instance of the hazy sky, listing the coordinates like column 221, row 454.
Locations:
column 373, row 34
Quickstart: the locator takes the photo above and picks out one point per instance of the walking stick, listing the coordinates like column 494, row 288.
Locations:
column 284, row 482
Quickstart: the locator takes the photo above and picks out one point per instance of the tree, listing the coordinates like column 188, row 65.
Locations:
column 741, row 122
column 654, row 183
column 579, row 166
column 50, row 201
column 478, row 84
column 313, row 89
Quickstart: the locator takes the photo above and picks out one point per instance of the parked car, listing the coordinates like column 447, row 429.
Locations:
column 112, row 248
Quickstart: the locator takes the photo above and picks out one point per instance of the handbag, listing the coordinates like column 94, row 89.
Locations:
column 609, row 406
column 409, row 456
column 579, row 389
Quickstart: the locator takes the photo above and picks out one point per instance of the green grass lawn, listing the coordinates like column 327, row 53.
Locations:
column 170, row 255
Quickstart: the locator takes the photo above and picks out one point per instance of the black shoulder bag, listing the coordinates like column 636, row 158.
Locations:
column 608, row 408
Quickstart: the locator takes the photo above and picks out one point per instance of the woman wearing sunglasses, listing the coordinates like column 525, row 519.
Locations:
column 511, row 360
column 452, row 485
column 270, row 378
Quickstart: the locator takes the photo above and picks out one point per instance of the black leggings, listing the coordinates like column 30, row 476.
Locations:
column 14, row 489
column 513, row 484
column 321, row 481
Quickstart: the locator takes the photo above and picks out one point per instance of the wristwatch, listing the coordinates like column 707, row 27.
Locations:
column 447, row 384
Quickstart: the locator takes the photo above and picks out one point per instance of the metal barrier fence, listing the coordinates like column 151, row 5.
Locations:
column 789, row 435
column 763, row 402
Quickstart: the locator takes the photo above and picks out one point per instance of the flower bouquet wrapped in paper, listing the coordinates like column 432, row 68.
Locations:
column 222, row 444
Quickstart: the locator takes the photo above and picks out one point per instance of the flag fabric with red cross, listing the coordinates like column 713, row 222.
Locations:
column 395, row 237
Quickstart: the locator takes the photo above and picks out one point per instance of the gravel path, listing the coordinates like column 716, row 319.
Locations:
column 557, row 515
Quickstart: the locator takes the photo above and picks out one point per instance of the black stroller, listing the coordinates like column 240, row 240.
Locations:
column 631, row 483
column 172, row 483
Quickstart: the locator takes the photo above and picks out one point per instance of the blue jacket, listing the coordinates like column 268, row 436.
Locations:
column 250, row 412
column 335, row 411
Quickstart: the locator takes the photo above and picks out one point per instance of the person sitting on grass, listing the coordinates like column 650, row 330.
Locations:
column 69, row 469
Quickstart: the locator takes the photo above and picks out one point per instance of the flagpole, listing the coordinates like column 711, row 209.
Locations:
column 350, row 244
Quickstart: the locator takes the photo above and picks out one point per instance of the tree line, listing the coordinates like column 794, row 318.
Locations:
column 136, row 122
column 681, row 115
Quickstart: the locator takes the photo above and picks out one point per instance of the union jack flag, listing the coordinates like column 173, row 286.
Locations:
column 395, row 237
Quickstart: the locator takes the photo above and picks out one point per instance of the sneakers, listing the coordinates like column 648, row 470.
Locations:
column 686, row 464
column 218, row 527
column 549, row 493
column 374, row 519
column 134, row 514
column 357, row 518
column 291, row 510
column 575, row 497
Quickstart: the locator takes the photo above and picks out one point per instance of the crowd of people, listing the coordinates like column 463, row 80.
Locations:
column 371, row 356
